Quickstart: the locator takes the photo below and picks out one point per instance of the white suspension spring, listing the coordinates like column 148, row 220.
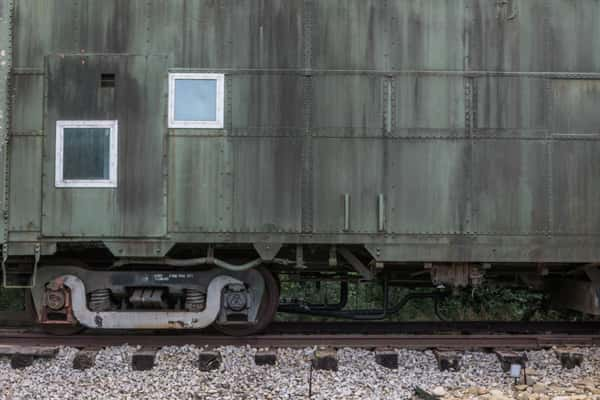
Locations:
column 100, row 300
column 195, row 300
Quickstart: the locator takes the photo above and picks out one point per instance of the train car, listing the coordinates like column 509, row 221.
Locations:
column 165, row 162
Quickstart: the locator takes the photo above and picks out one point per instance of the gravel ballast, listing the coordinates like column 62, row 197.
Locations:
column 176, row 376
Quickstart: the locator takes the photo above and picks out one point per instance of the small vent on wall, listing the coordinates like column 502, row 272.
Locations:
column 107, row 80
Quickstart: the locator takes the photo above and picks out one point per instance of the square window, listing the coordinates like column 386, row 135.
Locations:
column 86, row 153
column 196, row 100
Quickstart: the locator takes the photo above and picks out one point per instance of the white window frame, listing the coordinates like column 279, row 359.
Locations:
column 213, row 124
column 111, row 182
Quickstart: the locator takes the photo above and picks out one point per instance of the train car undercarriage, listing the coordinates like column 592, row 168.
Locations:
column 241, row 297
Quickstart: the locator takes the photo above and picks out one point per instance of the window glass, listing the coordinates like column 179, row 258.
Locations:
column 86, row 153
column 195, row 100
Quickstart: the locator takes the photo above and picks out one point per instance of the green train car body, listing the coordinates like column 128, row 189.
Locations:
column 476, row 122
column 457, row 131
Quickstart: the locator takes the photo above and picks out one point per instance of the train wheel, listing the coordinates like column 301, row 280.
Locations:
column 266, row 312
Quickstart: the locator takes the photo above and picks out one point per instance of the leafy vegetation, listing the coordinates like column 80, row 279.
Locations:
column 12, row 299
column 483, row 303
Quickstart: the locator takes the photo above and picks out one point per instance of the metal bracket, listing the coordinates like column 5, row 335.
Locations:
column 333, row 261
column 267, row 251
column 300, row 257
column 358, row 266
column 36, row 260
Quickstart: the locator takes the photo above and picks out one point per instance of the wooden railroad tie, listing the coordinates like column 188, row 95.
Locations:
column 23, row 356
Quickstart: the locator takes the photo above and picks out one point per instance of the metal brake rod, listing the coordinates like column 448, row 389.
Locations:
column 192, row 262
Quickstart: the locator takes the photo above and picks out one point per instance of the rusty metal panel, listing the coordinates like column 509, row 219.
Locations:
column 25, row 183
column 267, row 104
column 429, row 106
column 138, row 206
column 347, row 105
column 511, row 106
column 575, row 188
column 199, row 184
column 352, row 167
column 575, row 106
column 267, row 176
column 28, row 97
column 427, row 185
column 427, row 34
column 349, row 34
column 510, row 187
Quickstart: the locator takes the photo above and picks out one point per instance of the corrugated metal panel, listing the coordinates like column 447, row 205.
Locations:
column 349, row 34
column 199, row 184
column 25, row 183
column 510, row 187
column 575, row 188
column 427, row 34
column 347, row 166
column 428, row 186
column 347, row 105
column 429, row 105
column 267, row 33
column 573, row 36
column 112, row 26
column 509, row 36
column 509, row 105
column 228, row 33
column 137, row 207
column 575, row 106
column 535, row 35
column 43, row 27
column 267, row 176
column 268, row 105
column 28, row 99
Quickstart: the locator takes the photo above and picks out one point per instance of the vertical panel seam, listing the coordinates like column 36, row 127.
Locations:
column 5, row 105
column 549, row 148
column 548, row 122
column 470, row 107
column 76, row 26
column 306, row 216
column 147, row 13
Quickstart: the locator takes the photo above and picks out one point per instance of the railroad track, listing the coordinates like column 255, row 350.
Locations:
column 422, row 335
column 462, row 342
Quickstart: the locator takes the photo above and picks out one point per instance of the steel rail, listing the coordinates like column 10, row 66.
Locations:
column 458, row 342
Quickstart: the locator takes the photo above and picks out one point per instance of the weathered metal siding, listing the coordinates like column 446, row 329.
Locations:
column 535, row 35
column 26, row 154
column 227, row 33
column 475, row 120
column 428, row 34
column 137, row 207
column 200, row 169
